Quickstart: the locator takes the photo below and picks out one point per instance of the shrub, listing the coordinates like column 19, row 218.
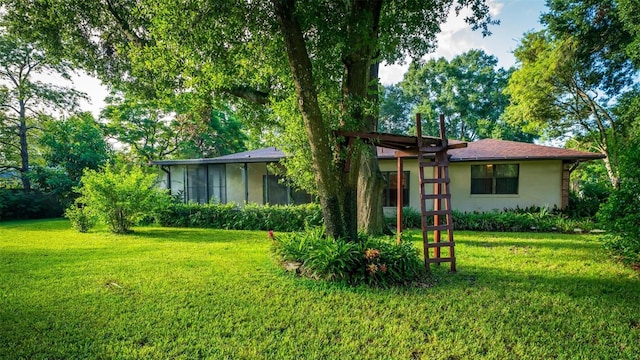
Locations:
column 80, row 217
column 374, row 261
column 620, row 214
column 586, row 203
column 16, row 204
column 121, row 197
column 250, row 217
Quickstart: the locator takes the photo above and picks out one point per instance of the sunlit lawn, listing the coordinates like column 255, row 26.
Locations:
column 190, row 293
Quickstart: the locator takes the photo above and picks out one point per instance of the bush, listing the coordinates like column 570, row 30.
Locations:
column 121, row 197
column 620, row 214
column 586, row 203
column 374, row 261
column 517, row 220
column 16, row 204
column 250, row 217
column 80, row 217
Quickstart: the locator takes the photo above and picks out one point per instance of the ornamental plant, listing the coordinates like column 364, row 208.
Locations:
column 373, row 261
column 121, row 197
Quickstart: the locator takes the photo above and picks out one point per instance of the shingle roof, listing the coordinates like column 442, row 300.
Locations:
column 493, row 149
column 269, row 154
column 481, row 150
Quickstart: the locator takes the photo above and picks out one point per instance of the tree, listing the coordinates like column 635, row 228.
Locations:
column 180, row 126
column 24, row 101
column 69, row 147
column 572, row 74
column 395, row 111
column 121, row 197
column 468, row 89
column 236, row 47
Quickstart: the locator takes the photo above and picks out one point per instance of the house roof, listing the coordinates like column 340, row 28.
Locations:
column 481, row 150
column 493, row 149
column 270, row 154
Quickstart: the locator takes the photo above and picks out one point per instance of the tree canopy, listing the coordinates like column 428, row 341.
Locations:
column 572, row 75
column 318, row 55
column 25, row 101
column 468, row 89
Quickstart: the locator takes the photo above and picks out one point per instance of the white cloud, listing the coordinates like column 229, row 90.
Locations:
column 454, row 39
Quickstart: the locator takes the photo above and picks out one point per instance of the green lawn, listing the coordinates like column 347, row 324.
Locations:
column 191, row 293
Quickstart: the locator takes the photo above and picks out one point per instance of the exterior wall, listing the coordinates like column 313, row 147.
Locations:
column 234, row 181
column 540, row 184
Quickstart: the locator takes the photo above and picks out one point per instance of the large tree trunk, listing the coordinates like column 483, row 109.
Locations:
column 371, row 183
column 330, row 190
column 338, row 190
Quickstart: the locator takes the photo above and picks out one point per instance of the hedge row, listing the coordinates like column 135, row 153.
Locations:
column 515, row 220
column 250, row 217
column 298, row 217
column 18, row 204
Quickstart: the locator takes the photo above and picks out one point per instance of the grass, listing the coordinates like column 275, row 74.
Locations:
column 192, row 293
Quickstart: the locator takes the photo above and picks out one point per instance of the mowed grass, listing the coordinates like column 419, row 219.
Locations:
column 189, row 293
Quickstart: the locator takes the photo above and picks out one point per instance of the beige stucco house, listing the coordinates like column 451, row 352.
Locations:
column 487, row 175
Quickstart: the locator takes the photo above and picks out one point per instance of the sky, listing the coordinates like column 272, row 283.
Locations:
column 516, row 17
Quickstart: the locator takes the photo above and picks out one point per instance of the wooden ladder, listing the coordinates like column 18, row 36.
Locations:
column 435, row 158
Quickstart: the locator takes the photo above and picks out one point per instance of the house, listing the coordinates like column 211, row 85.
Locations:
column 486, row 175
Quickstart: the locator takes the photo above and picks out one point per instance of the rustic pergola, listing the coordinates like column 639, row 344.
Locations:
column 431, row 152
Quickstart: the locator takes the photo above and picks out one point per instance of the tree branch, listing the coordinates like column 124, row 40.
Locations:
column 252, row 95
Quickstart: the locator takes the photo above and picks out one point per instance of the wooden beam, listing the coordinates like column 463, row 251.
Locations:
column 400, row 200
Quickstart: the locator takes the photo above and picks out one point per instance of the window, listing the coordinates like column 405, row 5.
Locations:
column 217, row 183
column 391, row 190
column 205, row 183
column 197, row 184
column 494, row 179
column 276, row 193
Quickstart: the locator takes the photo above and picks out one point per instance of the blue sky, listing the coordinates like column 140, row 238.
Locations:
column 516, row 17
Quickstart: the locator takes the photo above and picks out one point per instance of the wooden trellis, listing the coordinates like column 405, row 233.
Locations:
column 432, row 154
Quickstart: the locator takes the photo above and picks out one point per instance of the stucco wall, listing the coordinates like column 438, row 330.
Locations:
column 540, row 184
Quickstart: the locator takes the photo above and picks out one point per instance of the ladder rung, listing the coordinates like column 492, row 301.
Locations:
column 439, row 260
column 436, row 181
column 428, row 163
column 431, row 149
column 438, row 227
column 440, row 244
column 436, row 196
column 436, row 212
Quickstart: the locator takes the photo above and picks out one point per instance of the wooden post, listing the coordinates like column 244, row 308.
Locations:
column 399, row 199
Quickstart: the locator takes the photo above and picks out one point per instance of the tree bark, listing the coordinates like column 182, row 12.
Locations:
column 325, row 171
column 360, row 94
column 371, row 183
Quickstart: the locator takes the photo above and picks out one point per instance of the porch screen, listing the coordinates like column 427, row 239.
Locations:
column 217, row 183
column 494, row 179
column 197, row 184
column 274, row 192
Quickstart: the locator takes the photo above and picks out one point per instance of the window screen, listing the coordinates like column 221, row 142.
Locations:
column 494, row 179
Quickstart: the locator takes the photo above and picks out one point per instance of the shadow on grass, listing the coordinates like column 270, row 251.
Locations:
column 198, row 235
column 554, row 244
column 617, row 289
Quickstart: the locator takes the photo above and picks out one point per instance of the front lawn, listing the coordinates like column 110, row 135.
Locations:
column 194, row 293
